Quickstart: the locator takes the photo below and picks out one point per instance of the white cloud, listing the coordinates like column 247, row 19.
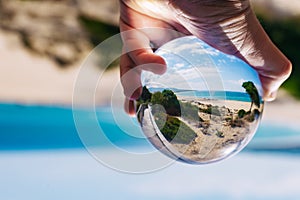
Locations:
column 222, row 61
column 241, row 81
column 179, row 65
column 205, row 51
column 197, row 78
column 232, row 58
column 236, row 85
column 186, row 47
column 190, row 45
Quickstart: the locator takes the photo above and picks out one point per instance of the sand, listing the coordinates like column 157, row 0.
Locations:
column 212, row 136
column 231, row 104
column 217, row 136
column 28, row 78
column 32, row 79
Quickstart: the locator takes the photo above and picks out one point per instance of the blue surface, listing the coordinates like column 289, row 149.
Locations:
column 24, row 127
column 43, row 127
column 221, row 95
column 67, row 171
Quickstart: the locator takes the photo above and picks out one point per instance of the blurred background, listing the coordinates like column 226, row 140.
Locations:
column 42, row 46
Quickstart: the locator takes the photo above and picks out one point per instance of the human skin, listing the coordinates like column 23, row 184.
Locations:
column 228, row 25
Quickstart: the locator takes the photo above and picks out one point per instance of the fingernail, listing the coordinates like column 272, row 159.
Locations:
column 272, row 96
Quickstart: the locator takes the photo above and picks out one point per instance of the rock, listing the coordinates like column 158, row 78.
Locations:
column 204, row 116
column 53, row 28
column 104, row 10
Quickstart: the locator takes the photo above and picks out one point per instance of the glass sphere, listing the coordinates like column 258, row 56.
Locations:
column 205, row 108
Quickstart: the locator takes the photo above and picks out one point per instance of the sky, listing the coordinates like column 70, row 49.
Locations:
column 194, row 65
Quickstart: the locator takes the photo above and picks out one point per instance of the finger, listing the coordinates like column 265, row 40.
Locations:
column 267, row 83
column 147, row 60
column 137, row 46
column 130, row 78
column 137, row 56
column 129, row 107
column 155, row 27
column 271, row 83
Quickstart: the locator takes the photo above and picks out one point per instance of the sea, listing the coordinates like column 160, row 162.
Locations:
column 218, row 95
column 30, row 127
column 42, row 157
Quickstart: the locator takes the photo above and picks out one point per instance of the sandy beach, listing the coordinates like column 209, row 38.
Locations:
column 231, row 104
column 28, row 78
column 204, row 131
column 219, row 133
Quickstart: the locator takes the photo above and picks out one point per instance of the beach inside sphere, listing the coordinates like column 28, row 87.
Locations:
column 205, row 108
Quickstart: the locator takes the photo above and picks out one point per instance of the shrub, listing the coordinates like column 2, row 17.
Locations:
column 241, row 113
column 220, row 134
column 189, row 112
column 168, row 100
column 173, row 129
column 212, row 110
column 237, row 123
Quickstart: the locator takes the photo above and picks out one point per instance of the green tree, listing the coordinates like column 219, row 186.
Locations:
column 157, row 98
column 171, row 103
column 145, row 96
column 253, row 93
column 168, row 99
column 242, row 113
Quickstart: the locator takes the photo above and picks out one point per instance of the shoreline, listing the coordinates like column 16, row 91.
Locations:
column 231, row 104
column 32, row 79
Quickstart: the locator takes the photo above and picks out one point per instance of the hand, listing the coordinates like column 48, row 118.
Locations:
column 228, row 25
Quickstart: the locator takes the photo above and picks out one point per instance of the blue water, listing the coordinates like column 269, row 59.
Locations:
column 220, row 95
column 29, row 127
column 46, row 127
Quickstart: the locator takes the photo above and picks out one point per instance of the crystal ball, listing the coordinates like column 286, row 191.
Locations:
column 205, row 108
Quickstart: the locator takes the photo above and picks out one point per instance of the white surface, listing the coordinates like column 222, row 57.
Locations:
column 36, row 175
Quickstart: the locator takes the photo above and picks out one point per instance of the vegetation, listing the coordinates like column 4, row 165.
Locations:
column 212, row 110
column 99, row 31
column 189, row 112
column 146, row 95
column 255, row 99
column 253, row 115
column 253, row 93
column 249, row 116
column 220, row 134
column 237, row 123
column 256, row 112
column 168, row 100
column 173, row 129
column 165, row 109
column 241, row 113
